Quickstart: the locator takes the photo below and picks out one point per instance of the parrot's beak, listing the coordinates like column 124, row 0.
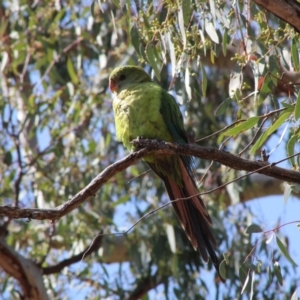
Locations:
column 113, row 86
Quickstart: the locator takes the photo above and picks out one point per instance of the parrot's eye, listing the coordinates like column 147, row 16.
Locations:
column 122, row 77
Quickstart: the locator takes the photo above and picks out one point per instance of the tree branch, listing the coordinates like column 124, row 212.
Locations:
column 286, row 10
column 24, row 270
column 156, row 148
column 97, row 243
column 147, row 284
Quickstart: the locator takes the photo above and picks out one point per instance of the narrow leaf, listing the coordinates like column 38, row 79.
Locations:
column 285, row 251
column 222, row 107
column 186, row 11
column 152, row 59
column 71, row 71
column 277, row 271
column 203, row 41
column 281, row 137
column 204, row 80
column 181, row 25
column 282, row 118
column 171, row 50
column 213, row 10
column 135, row 38
column 253, row 228
column 211, row 31
column 288, row 106
column 225, row 42
column 252, row 285
column 244, row 276
column 269, row 236
column 295, row 295
column 171, row 237
column 291, row 148
column 242, row 127
column 265, row 89
column 245, row 283
column 235, row 83
column 297, row 108
column 295, row 53
column 222, row 269
column 259, row 266
column 259, row 142
column 187, row 83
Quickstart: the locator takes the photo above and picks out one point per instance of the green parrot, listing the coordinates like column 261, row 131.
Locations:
column 143, row 108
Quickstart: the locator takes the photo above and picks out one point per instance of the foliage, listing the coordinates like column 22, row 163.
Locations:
column 229, row 63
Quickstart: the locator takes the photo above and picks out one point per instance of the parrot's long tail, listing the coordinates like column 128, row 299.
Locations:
column 192, row 214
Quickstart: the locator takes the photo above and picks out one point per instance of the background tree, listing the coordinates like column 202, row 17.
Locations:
column 229, row 63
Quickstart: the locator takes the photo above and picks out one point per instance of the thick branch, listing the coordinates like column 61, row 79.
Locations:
column 156, row 148
column 24, row 270
column 286, row 10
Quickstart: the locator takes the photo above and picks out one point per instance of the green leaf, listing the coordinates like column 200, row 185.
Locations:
column 204, row 81
column 253, row 228
column 71, row 71
column 117, row 3
column 277, row 271
column 282, row 118
column 242, row 273
column 295, row 53
column 242, row 127
column 297, row 108
column 259, row 264
column 266, row 89
column 135, row 38
column 7, row 159
column 259, row 142
column 225, row 42
column 186, row 11
column 152, row 59
column 288, row 106
column 285, row 251
column 291, row 147
column 222, row 107
column 222, row 269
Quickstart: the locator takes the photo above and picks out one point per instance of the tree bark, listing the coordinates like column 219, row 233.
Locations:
column 286, row 10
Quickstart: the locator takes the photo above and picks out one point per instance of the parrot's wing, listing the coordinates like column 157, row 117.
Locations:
column 174, row 121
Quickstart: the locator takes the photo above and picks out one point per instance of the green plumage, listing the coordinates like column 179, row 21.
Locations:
column 138, row 112
column 143, row 108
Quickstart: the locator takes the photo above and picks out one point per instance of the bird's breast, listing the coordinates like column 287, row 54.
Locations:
column 137, row 113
